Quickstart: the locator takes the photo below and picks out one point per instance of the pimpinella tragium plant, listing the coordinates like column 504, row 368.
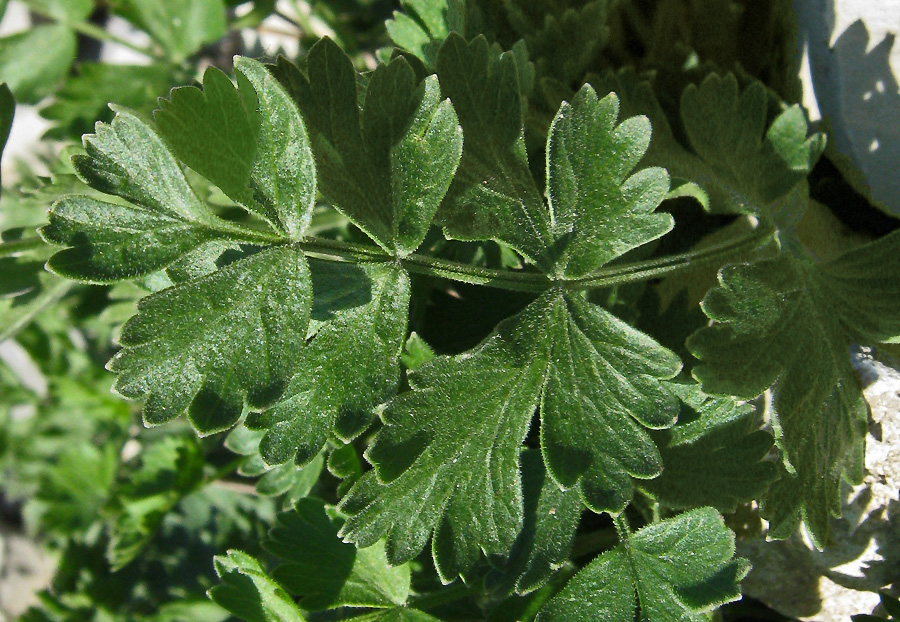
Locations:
column 441, row 313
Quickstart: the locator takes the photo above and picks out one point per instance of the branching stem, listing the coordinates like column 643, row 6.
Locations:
column 514, row 280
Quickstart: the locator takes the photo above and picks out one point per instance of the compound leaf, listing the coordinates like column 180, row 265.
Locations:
column 493, row 195
column 306, row 541
column 447, row 463
column 674, row 570
column 207, row 345
column 351, row 366
column 163, row 222
column 387, row 164
column 713, row 456
column 249, row 593
column 597, row 211
column 786, row 324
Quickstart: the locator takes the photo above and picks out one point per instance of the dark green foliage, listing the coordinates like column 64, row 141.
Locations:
column 443, row 297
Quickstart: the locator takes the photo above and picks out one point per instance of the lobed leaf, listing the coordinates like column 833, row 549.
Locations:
column 714, row 455
column 449, row 464
column 551, row 515
column 602, row 390
column 248, row 592
column 597, row 211
column 214, row 130
column 208, row 345
column 493, row 195
column 350, row 367
column 673, row 570
column 387, row 164
column 786, row 324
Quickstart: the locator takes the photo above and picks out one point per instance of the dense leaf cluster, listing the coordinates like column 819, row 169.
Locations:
column 289, row 237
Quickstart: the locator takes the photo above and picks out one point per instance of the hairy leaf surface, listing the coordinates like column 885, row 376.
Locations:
column 350, row 367
column 209, row 345
column 493, row 195
column 247, row 591
column 674, row 570
column 713, row 456
column 385, row 164
column 597, row 211
column 786, row 324
column 163, row 222
column 551, row 515
column 448, row 463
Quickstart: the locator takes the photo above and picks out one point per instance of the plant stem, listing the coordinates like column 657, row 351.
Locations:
column 535, row 282
column 623, row 529
column 95, row 32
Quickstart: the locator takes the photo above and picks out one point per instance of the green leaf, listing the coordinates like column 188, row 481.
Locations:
column 35, row 61
column 350, row 367
column 563, row 40
column 64, row 10
column 249, row 593
column 545, row 542
column 493, row 195
column 714, row 456
column 84, row 98
column 388, row 164
column 214, row 130
column 112, row 241
column 603, row 376
column 209, row 345
column 421, row 28
column 7, row 113
column 744, row 166
column 291, row 479
column 786, row 324
column 677, row 569
column 180, row 27
column 170, row 470
column 734, row 164
column 306, row 540
column 449, row 464
column 598, row 212
column 397, row 614
column 72, row 491
column 284, row 174
column 26, row 289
